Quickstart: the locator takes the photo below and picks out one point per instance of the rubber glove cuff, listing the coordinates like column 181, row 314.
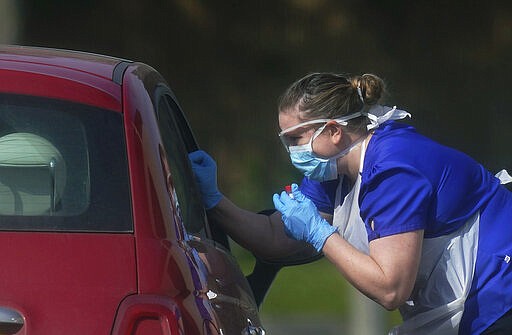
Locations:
column 323, row 232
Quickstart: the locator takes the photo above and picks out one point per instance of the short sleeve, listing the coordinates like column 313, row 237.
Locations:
column 322, row 194
column 394, row 199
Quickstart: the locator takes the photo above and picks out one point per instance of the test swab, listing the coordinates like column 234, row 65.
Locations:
column 288, row 189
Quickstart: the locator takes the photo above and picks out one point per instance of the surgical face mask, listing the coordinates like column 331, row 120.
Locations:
column 314, row 167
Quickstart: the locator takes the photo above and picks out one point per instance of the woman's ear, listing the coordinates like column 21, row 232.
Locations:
column 336, row 132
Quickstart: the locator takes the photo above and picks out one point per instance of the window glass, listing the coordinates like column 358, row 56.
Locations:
column 62, row 167
column 175, row 133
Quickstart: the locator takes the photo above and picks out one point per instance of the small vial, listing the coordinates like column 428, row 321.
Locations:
column 288, row 189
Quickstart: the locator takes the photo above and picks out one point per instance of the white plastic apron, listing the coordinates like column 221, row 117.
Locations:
column 347, row 217
column 445, row 272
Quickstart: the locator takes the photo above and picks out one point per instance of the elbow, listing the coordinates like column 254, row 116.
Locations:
column 390, row 305
column 395, row 294
column 392, row 300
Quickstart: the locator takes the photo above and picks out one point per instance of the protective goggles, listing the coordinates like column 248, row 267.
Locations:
column 290, row 140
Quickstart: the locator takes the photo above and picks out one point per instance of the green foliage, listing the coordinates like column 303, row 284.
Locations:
column 314, row 289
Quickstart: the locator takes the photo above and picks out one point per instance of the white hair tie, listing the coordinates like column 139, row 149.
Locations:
column 359, row 92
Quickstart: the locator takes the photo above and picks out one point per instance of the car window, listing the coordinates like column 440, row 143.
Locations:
column 63, row 167
column 175, row 136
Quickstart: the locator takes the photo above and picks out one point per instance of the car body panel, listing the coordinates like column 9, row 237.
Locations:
column 59, row 284
column 166, row 276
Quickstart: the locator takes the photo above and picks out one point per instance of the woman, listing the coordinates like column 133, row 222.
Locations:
column 415, row 225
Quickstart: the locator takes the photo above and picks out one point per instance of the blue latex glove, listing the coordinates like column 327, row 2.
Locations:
column 301, row 218
column 205, row 171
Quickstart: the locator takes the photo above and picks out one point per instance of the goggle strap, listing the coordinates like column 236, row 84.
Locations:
column 303, row 124
column 342, row 121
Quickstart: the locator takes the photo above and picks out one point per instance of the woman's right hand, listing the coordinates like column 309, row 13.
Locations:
column 205, row 171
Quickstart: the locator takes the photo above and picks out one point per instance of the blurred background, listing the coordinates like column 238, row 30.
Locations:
column 446, row 62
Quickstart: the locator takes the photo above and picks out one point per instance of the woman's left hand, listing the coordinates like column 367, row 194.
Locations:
column 301, row 218
column 205, row 172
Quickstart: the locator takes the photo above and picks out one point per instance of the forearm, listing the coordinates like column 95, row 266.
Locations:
column 387, row 274
column 261, row 234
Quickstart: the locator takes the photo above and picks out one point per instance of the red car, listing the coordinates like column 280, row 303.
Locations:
column 102, row 230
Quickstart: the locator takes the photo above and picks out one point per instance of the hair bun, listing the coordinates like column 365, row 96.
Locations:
column 371, row 88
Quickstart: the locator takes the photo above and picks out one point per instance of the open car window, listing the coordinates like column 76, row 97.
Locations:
column 63, row 167
column 176, row 138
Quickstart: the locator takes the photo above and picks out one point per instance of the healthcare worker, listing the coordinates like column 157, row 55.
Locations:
column 410, row 223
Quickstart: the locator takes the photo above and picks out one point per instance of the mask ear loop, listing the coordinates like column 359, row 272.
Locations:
column 320, row 130
column 316, row 134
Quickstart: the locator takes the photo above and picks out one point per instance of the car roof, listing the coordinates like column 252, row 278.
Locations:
column 94, row 71
column 95, row 64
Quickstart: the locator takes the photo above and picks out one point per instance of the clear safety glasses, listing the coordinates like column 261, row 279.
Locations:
column 290, row 140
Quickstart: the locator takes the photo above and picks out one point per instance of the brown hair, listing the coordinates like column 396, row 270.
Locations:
column 329, row 95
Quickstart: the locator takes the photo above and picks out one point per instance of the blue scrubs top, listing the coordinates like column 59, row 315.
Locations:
column 410, row 182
